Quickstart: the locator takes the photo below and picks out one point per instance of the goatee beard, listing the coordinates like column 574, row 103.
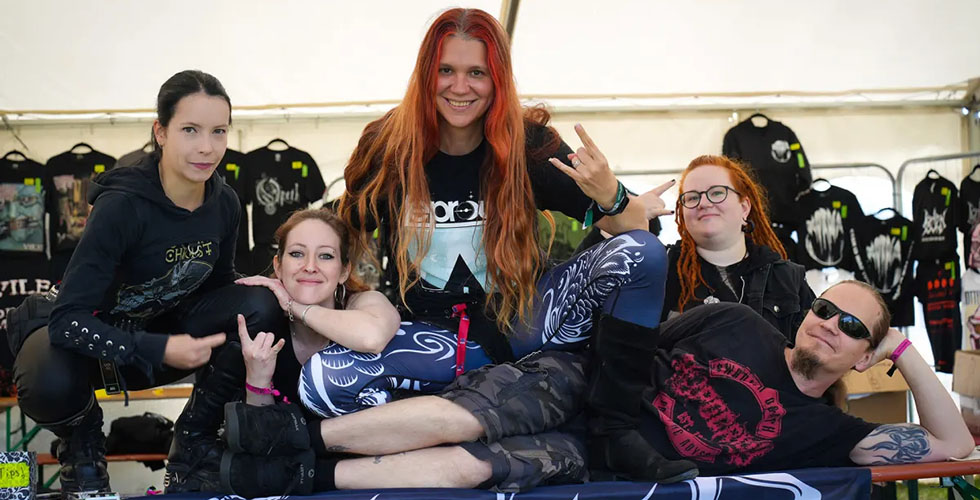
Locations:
column 805, row 362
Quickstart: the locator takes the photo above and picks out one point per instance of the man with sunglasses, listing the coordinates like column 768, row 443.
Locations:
column 731, row 395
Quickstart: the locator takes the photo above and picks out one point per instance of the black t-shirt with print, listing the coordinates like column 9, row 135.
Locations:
column 776, row 158
column 23, row 191
column 937, row 285
column 277, row 183
column 968, row 213
column 20, row 277
column 883, row 254
column 232, row 169
column 934, row 204
column 826, row 218
column 70, row 175
column 723, row 397
column 454, row 268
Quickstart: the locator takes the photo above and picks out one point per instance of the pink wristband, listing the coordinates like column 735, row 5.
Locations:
column 271, row 390
column 899, row 350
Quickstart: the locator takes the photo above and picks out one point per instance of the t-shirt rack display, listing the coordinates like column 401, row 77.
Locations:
column 277, row 182
column 776, row 158
column 969, row 211
column 937, row 285
column 826, row 219
column 934, row 211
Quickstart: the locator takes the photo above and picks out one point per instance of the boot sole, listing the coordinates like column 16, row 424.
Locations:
column 232, row 427
column 225, row 472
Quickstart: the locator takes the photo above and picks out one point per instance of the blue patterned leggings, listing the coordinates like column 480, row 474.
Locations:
column 624, row 276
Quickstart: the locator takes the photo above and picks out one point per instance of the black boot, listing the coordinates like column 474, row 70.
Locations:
column 270, row 430
column 254, row 476
column 624, row 353
column 82, row 453
column 195, row 454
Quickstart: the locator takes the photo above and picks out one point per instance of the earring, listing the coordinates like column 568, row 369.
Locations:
column 340, row 296
column 748, row 227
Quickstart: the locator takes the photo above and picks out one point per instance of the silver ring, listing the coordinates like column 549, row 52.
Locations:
column 576, row 162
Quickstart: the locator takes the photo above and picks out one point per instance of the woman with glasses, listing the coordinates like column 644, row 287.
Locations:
column 728, row 251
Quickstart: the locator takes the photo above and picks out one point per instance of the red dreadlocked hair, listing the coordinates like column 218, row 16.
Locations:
column 388, row 168
column 688, row 265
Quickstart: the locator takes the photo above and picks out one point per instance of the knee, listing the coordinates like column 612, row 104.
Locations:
column 329, row 383
column 52, row 384
column 260, row 307
column 465, row 470
column 647, row 255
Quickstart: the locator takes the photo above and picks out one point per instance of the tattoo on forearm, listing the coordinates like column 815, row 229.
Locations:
column 900, row 444
column 337, row 449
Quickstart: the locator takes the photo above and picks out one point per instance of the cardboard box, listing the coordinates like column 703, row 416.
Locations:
column 876, row 397
column 966, row 373
column 970, row 407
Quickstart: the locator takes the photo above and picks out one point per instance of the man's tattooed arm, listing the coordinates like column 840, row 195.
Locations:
column 893, row 444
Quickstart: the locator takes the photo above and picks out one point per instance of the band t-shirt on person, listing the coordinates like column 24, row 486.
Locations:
column 729, row 403
column 454, row 269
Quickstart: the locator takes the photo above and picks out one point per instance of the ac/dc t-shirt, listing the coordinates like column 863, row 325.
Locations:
column 826, row 218
column 231, row 169
column 937, row 284
column 776, row 158
column 934, row 204
column 883, row 253
column 968, row 213
column 23, row 193
column 723, row 397
column 277, row 183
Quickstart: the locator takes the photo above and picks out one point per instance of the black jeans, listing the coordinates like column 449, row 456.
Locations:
column 54, row 385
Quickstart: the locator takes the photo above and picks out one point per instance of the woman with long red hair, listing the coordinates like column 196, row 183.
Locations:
column 452, row 180
column 728, row 251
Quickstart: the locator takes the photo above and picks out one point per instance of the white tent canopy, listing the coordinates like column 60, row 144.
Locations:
column 99, row 55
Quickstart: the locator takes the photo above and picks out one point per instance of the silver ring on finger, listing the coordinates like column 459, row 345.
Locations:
column 576, row 162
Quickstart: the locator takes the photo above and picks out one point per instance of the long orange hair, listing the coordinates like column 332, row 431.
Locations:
column 388, row 167
column 688, row 265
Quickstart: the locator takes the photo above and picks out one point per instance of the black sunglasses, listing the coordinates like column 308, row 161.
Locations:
column 715, row 194
column 847, row 322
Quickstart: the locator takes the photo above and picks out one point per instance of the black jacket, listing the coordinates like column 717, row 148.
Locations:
column 773, row 287
column 139, row 257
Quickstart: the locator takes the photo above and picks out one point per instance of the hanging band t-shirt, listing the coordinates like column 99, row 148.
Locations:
column 883, row 253
column 934, row 203
column 231, row 169
column 133, row 158
column 22, row 205
column 968, row 212
column 20, row 276
column 70, row 175
column 777, row 159
column 826, row 218
column 277, row 184
column 729, row 403
column 937, row 285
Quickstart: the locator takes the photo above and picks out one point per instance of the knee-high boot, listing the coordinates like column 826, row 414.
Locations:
column 623, row 354
column 195, row 454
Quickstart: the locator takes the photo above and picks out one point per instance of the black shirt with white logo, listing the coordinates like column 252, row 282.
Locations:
column 277, row 183
column 938, row 285
column 777, row 160
column 968, row 213
column 934, row 205
column 883, row 254
column 724, row 398
column 23, row 191
column 826, row 218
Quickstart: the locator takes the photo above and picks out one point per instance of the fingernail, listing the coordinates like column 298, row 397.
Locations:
column 671, row 212
column 673, row 180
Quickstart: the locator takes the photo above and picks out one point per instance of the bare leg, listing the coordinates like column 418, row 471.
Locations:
column 409, row 424
column 443, row 467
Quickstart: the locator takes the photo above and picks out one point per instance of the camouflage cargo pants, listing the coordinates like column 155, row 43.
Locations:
column 531, row 412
